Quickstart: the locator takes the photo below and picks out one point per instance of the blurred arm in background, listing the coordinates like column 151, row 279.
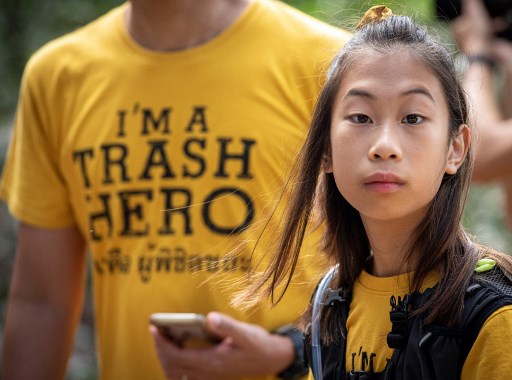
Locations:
column 46, row 298
column 474, row 32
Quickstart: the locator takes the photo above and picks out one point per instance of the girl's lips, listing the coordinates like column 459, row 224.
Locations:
column 383, row 187
column 384, row 182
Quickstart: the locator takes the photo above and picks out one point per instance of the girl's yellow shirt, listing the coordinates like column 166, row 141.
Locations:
column 368, row 325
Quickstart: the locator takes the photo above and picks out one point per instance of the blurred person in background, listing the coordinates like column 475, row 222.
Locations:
column 152, row 138
column 488, row 56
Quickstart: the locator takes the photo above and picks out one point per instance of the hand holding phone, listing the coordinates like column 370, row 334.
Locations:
column 185, row 329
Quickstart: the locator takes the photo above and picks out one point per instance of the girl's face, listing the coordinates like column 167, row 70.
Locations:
column 389, row 139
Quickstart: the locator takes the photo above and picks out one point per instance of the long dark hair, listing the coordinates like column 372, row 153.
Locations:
column 439, row 242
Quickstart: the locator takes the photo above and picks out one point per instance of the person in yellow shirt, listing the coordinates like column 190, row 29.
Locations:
column 152, row 138
column 386, row 166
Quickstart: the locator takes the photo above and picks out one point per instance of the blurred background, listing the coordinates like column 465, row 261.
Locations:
column 25, row 25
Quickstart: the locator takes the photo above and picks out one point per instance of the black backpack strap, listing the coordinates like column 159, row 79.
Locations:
column 489, row 292
column 437, row 351
column 399, row 334
column 399, row 316
column 340, row 298
column 339, row 301
column 333, row 353
column 363, row 375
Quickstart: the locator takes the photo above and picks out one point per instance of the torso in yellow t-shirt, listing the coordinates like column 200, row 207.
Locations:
column 163, row 159
column 368, row 320
column 368, row 324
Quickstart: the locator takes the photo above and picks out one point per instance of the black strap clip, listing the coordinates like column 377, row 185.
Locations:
column 363, row 375
column 399, row 334
column 340, row 295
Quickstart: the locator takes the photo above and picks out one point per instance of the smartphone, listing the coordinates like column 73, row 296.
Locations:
column 185, row 329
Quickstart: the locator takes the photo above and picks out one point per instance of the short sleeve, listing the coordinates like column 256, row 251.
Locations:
column 489, row 356
column 32, row 184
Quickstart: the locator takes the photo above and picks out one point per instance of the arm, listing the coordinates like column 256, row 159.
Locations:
column 503, row 52
column 507, row 188
column 45, row 303
column 494, row 134
column 247, row 350
column 494, row 153
column 474, row 34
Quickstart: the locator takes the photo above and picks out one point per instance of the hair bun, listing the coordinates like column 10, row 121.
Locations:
column 374, row 14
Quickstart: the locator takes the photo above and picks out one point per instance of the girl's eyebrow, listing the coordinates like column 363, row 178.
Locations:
column 421, row 91
column 359, row 92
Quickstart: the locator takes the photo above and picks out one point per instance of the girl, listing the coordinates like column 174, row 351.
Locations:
column 388, row 161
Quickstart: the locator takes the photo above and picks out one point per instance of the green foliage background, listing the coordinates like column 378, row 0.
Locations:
column 25, row 25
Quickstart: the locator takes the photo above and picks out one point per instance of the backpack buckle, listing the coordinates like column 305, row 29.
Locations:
column 398, row 315
column 338, row 295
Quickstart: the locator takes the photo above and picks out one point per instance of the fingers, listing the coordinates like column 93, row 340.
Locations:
column 246, row 350
column 473, row 29
column 178, row 363
column 461, row 30
column 163, row 346
column 239, row 334
column 474, row 8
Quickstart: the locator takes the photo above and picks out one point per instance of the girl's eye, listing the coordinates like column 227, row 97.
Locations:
column 412, row 119
column 360, row 119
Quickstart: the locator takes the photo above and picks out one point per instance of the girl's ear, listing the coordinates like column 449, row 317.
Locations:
column 327, row 160
column 458, row 149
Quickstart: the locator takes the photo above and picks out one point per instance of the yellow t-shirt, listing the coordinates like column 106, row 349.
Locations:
column 368, row 325
column 368, row 320
column 163, row 159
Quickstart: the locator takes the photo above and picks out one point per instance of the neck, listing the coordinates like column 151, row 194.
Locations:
column 389, row 242
column 173, row 25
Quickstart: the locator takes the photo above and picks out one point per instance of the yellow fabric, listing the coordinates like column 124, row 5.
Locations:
column 368, row 325
column 489, row 357
column 109, row 136
column 486, row 360
column 368, row 320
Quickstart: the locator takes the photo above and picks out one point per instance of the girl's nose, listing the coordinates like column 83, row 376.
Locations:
column 386, row 145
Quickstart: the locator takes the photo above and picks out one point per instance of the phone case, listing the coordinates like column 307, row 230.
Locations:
column 188, row 329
